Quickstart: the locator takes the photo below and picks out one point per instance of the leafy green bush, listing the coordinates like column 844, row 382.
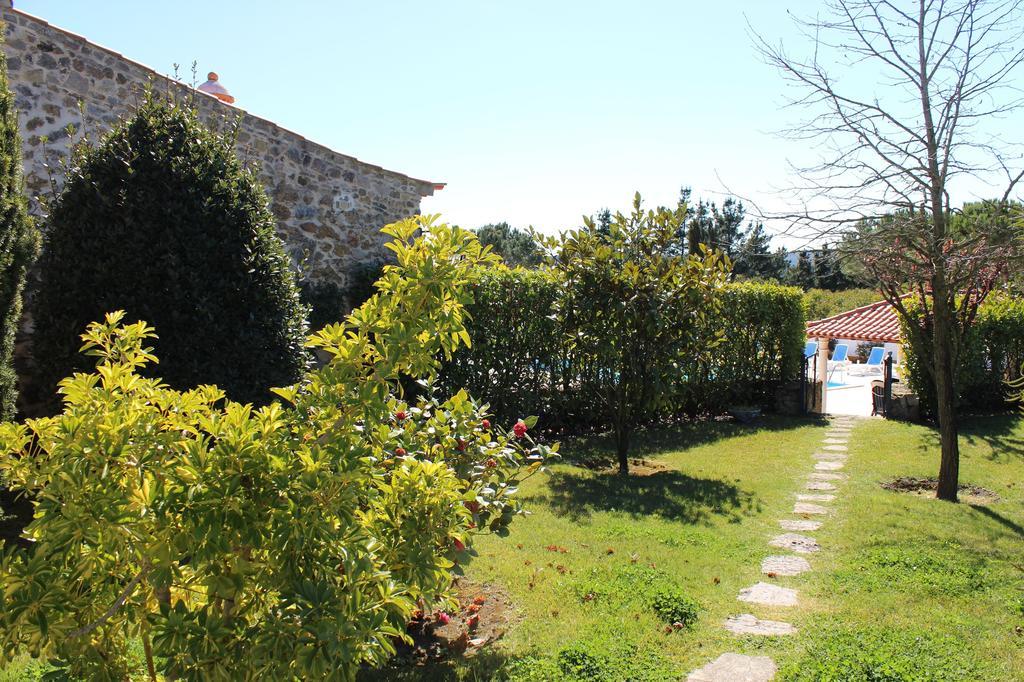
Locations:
column 635, row 309
column 673, row 606
column 603, row 657
column 288, row 542
column 19, row 241
column 163, row 221
column 991, row 354
column 839, row 653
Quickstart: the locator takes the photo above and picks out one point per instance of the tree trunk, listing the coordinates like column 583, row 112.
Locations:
column 945, row 396
column 622, row 447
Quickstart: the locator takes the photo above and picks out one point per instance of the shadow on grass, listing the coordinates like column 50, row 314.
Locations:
column 1009, row 524
column 598, row 452
column 669, row 494
column 1003, row 433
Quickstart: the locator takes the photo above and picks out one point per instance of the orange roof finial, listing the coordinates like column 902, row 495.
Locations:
column 213, row 87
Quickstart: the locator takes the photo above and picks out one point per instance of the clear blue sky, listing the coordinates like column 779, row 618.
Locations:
column 534, row 112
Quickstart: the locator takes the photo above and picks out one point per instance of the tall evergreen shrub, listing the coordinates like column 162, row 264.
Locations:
column 19, row 241
column 163, row 221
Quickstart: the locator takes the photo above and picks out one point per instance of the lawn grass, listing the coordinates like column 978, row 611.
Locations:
column 904, row 586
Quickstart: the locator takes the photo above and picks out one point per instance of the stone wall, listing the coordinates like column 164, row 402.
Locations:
column 330, row 207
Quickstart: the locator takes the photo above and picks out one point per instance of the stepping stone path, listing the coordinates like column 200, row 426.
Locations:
column 819, row 485
column 795, row 542
column 768, row 594
column 808, row 508
column 732, row 667
column 799, row 524
column 735, row 668
column 748, row 624
column 815, row 497
column 784, row 565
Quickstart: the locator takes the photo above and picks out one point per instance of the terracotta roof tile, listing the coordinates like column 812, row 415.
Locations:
column 876, row 322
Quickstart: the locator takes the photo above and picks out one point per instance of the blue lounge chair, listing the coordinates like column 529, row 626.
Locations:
column 838, row 360
column 874, row 363
column 810, row 349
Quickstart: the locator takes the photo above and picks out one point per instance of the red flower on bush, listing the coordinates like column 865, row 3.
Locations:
column 443, row 618
column 491, row 463
column 400, row 452
column 460, row 444
column 459, row 547
column 486, row 424
column 472, row 506
column 520, row 429
column 400, row 415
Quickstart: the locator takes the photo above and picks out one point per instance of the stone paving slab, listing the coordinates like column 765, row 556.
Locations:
column 835, row 441
column 799, row 524
column 828, row 466
column 784, row 564
column 838, row 456
column 835, row 448
column 808, row 508
column 795, row 542
column 749, row 624
column 815, row 497
column 826, row 476
column 819, row 485
column 768, row 594
column 735, row 668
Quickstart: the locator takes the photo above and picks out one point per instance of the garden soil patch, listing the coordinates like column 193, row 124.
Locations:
column 485, row 613
column 926, row 487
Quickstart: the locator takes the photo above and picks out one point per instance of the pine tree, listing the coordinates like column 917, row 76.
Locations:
column 828, row 271
column 19, row 241
column 804, row 276
column 163, row 221
column 755, row 259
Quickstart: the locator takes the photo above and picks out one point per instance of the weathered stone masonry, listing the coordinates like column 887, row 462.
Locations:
column 329, row 206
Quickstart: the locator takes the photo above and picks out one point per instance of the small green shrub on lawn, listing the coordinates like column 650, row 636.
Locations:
column 673, row 606
column 601, row 658
column 839, row 654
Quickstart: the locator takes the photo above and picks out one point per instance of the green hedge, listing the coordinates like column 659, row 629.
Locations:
column 521, row 363
column 763, row 327
column 993, row 352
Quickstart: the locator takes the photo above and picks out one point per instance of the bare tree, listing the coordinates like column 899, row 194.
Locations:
column 901, row 95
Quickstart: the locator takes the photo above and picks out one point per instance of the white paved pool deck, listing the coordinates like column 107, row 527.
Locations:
column 854, row 396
